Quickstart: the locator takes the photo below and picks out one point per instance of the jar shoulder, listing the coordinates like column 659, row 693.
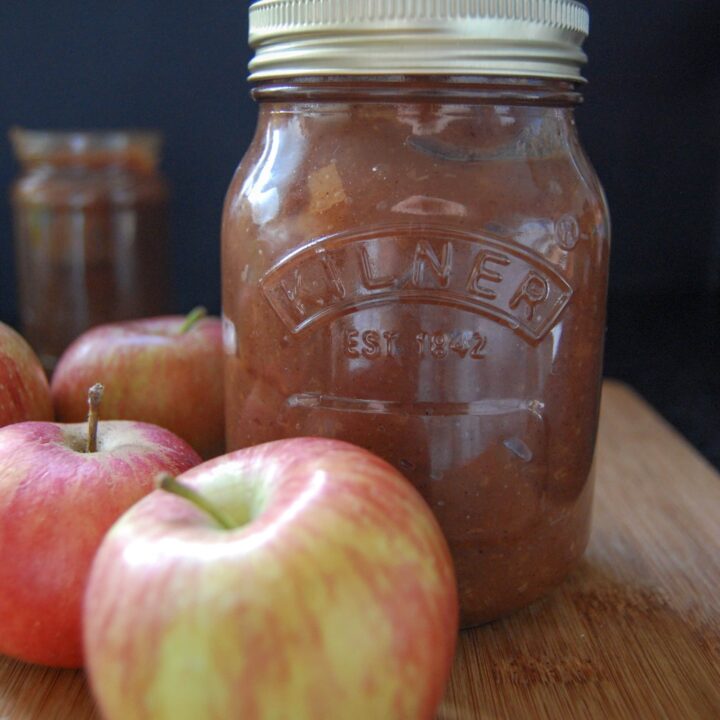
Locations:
column 307, row 177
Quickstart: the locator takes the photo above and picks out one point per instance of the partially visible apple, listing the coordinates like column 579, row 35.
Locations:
column 166, row 370
column 61, row 488
column 302, row 579
column 24, row 390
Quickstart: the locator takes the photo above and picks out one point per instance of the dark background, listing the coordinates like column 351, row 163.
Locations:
column 650, row 123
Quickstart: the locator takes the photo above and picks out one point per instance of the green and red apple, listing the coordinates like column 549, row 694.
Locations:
column 167, row 371
column 61, row 488
column 302, row 579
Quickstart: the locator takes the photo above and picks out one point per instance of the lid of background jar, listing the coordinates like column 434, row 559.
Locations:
column 526, row 38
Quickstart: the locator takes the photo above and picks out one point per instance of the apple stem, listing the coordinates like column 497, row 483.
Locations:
column 95, row 394
column 170, row 484
column 192, row 318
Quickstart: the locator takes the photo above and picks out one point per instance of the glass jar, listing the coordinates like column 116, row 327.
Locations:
column 416, row 262
column 90, row 215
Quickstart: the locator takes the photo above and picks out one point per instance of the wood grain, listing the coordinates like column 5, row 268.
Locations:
column 634, row 633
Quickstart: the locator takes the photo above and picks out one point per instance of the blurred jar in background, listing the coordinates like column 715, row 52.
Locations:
column 91, row 233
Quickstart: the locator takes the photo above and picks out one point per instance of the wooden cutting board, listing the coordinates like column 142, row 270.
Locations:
column 634, row 633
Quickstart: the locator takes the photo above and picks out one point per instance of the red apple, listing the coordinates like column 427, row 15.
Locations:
column 166, row 370
column 24, row 391
column 61, row 488
column 301, row 579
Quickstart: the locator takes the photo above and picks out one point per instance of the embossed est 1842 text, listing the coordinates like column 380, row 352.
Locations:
column 483, row 274
column 377, row 344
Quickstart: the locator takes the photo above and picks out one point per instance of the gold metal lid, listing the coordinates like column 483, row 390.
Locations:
column 528, row 38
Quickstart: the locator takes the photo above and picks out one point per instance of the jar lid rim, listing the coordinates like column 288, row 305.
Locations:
column 540, row 38
column 29, row 143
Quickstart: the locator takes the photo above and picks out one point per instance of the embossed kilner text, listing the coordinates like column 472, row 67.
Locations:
column 482, row 274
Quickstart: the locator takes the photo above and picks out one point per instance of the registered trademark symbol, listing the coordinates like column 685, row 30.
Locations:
column 567, row 232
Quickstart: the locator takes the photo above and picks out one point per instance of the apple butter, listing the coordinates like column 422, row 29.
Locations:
column 91, row 235
column 417, row 263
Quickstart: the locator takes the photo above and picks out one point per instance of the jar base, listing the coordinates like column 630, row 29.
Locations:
column 499, row 604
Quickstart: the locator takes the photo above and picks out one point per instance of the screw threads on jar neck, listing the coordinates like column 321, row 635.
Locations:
column 409, row 89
